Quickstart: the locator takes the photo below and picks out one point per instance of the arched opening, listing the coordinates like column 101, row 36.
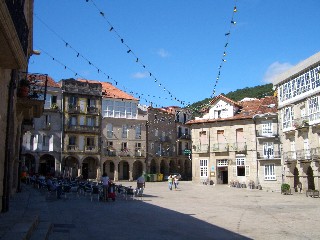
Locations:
column 153, row 166
column 310, row 178
column 89, row 168
column 172, row 167
column 123, row 169
column 70, row 167
column 47, row 165
column 137, row 169
column 295, row 177
column 163, row 168
column 108, row 168
column 187, row 170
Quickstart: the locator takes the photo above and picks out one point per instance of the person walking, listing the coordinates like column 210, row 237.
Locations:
column 176, row 182
column 170, row 180
column 105, row 184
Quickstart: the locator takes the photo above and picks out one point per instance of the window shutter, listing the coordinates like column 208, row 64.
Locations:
column 234, row 171
column 247, row 171
column 51, row 143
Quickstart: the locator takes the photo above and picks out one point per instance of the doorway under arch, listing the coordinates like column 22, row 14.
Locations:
column 123, row 170
column 89, row 168
column 310, row 178
column 295, row 177
column 70, row 167
column 137, row 169
column 47, row 165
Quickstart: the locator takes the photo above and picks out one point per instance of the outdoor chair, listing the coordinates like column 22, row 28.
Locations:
column 95, row 191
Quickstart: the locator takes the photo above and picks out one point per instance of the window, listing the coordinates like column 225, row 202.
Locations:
column 45, row 140
column 306, row 148
column 138, row 131
column 91, row 121
column 156, row 132
column 109, row 130
column 73, row 101
column 138, row 145
column 73, row 121
column 151, row 146
column 125, row 131
column 124, row 146
column 287, row 117
column 268, row 150
column 47, row 120
column 222, row 163
column 203, row 168
column 314, row 108
column 108, row 108
column 266, row 128
column 91, row 102
column 203, row 137
column 269, row 173
column 240, row 166
column 72, row 140
column 90, row 141
column 220, row 136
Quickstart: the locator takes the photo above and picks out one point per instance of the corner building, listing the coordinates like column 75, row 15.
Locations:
column 298, row 92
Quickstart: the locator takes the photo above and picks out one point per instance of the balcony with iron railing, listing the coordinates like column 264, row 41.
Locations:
column 92, row 110
column 269, row 154
column 139, row 152
column 239, row 147
column 82, row 128
column 219, row 147
column 200, row 148
column 304, row 155
column 109, row 152
column 290, row 156
column 72, row 148
column 125, row 152
column 164, row 153
column 73, row 108
column 184, row 136
column 91, row 149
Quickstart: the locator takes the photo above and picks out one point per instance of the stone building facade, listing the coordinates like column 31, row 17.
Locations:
column 16, row 47
column 299, row 117
column 225, row 144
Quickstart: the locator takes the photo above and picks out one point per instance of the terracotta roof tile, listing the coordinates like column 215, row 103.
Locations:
column 110, row 91
column 248, row 110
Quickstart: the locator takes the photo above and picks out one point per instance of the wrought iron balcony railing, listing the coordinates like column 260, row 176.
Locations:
column 268, row 155
column 219, row 147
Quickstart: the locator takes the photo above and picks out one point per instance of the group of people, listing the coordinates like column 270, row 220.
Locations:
column 173, row 181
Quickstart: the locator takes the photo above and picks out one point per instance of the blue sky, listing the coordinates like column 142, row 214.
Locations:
column 181, row 42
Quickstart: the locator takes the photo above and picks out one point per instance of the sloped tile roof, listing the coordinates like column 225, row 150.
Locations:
column 110, row 91
column 247, row 110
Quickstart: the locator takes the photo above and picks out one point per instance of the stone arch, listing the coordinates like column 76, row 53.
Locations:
column 153, row 166
column 164, row 168
column 295, row 177
column 70, row 166
column 187, row 170
column 123, row 170
column 108, row 167
column 172, row 166
column 310, row 178
column 89, row 168
column 137, row 170
column 47, row 165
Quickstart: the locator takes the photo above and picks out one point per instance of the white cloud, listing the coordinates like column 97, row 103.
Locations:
column 140, row 75
column 163, row 53
column 275, row 69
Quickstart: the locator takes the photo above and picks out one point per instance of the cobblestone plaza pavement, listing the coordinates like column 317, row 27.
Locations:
column 194, row 211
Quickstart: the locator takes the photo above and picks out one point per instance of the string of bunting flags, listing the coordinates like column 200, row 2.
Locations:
column 99, row 70
column 137, row 59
